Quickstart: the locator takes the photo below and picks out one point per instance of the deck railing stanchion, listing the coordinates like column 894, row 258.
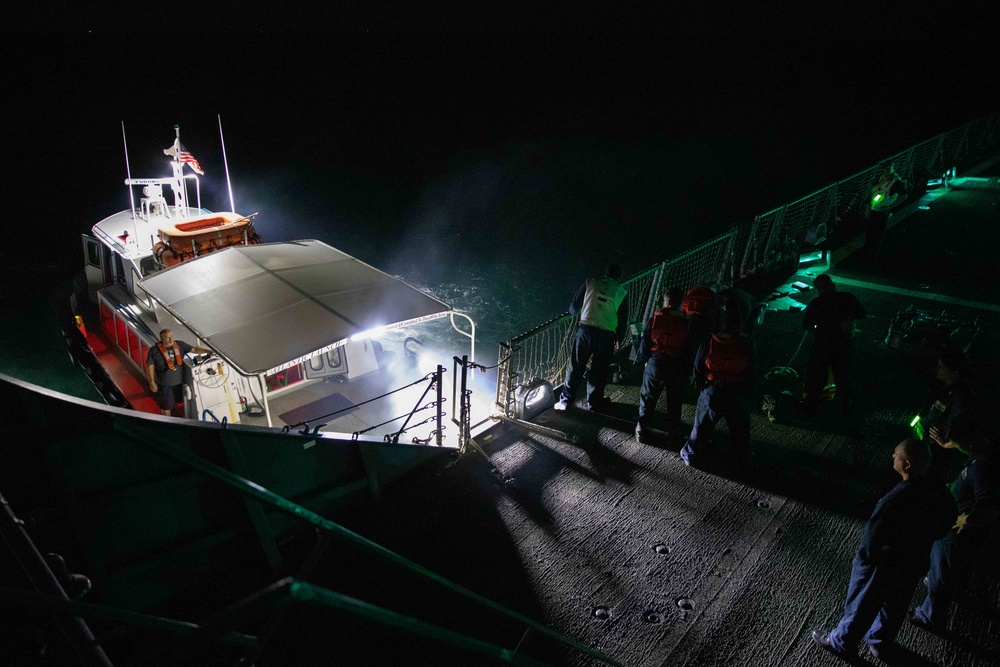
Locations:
column 439, row 410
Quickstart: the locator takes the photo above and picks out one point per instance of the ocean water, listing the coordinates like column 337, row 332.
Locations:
column 508, row 236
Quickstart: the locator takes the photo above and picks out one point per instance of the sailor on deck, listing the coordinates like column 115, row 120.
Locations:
column 830, row 317
column 603, row 320
column 977, row 492
column 665, row 345
column 894, row 553
column 724, row 367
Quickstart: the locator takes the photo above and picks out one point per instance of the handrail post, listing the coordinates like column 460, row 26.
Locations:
column 464, row 412
column 438, row 408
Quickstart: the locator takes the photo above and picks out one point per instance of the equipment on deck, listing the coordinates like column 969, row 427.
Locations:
column 923, row 332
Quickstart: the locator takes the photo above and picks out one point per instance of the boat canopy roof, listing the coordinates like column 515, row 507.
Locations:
column 267, row 307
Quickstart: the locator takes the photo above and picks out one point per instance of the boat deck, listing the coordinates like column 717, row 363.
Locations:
column 622, row 547
column 335, row 405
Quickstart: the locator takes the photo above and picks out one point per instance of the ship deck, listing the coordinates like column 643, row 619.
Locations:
column 619, row 545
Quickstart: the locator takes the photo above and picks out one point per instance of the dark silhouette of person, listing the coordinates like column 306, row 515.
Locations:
column 977, row 492
column 892, row 557
column 886, row 195
column 830, row 317
column 663, row 348
column 723, row 367
column 949, row 399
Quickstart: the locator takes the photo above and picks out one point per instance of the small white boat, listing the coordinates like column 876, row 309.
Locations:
column 302, row 335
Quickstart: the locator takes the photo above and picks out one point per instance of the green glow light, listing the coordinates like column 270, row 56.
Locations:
column 877, row 198
column 915, row 421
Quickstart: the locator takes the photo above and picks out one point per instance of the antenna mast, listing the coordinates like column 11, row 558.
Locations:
column 225, row 162
column 131, row 196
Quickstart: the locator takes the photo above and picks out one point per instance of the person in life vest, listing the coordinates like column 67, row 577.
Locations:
column 701, row 307
column 603, row 320
column 830, row 317
column 745, row 304
column 165, row 369
column 663, row 349
column 885, row 195
column 724, row 367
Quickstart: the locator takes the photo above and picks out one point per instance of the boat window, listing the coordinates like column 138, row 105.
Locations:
column 147, row 265
column 119, row 269
column 283, row 378
column 94, row 253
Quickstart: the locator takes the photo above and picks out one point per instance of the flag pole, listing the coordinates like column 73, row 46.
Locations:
column 225, row 162
column 180, row 174
column 131, row 195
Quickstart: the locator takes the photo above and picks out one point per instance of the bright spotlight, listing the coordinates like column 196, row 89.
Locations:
column 532, row 398
column 370, row 333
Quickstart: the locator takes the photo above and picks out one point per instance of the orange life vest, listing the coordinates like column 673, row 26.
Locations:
column 728, row 359
column 668, row 331
column 173, row 360
column 699, row 300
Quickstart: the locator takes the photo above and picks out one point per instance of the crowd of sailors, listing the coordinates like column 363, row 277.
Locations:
column 918, row 529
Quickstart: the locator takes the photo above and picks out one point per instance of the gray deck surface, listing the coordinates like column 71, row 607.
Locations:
column 759, row 557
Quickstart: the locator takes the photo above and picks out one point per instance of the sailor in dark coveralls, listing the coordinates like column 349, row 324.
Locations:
column 976, row 490
column 664, row 349
column 887, row 194
column 948, row 402
column 723, row 366
column 830, row 316
column 603, row 320
column 894, row 553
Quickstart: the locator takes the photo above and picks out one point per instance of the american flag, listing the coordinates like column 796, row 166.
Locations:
column 186, row 158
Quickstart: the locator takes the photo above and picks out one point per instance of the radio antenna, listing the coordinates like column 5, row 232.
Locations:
column 131, row 196
column 225, row 163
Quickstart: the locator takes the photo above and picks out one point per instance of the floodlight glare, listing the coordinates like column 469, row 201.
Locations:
column 370, row 333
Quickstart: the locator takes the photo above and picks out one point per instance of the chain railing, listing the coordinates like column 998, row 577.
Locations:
column 767, row 242
column 432, row 381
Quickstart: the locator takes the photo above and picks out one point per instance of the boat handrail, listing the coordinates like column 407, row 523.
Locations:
column 162, row 445
column 430, row 378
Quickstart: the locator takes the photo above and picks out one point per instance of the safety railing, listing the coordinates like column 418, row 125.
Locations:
column 221, row 627
column 767, row 242
column 432, row 381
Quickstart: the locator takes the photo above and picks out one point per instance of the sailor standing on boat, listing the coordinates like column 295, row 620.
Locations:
column 165, row 369
column 603, row 321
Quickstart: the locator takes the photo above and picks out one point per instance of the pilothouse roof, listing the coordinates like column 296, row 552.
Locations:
column 265, row 307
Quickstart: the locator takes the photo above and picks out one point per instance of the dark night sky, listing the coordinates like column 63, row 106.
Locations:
column 362, row 138
column 398, row 110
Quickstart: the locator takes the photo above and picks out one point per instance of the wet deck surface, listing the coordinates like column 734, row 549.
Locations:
column 722, row 567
